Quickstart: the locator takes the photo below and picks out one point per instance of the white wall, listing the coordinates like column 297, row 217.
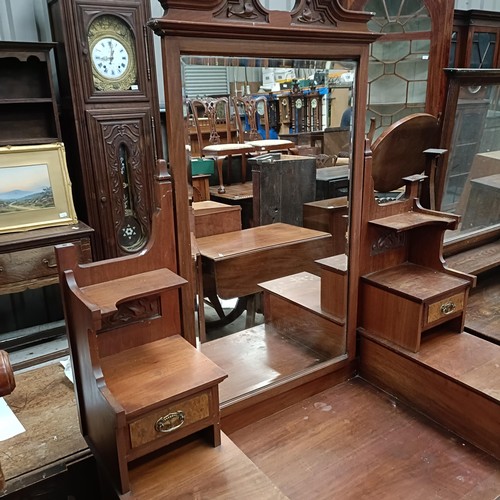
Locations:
column 17, row 20
column 492, row 5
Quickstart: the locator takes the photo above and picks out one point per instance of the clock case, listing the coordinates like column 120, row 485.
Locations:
column 103, row 130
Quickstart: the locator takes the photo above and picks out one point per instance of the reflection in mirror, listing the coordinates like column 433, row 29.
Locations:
column 291, row 186
column 472, row 185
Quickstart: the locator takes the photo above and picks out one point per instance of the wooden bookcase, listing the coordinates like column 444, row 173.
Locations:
column 28, row 107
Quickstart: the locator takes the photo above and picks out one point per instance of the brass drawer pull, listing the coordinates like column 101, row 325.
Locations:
column 48, row 264
column 448, row 307
column 170, row 422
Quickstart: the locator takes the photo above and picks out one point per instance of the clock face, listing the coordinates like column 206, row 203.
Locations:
column 112, row 54
column 110, row 58
column 298, row 103
column 261, row 108
column 314, row 103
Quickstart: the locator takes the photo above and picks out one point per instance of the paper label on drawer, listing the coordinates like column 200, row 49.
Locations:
column 9, row 423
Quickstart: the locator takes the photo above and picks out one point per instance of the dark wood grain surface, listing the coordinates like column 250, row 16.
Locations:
column 352, row 442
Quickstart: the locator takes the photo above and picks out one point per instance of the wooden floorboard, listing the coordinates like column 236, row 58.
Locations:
column 354, row 442
column 256, row 357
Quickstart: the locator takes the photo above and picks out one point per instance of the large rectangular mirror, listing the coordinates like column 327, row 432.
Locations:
column 471, row 175
column 299, row 112
column 302, row 69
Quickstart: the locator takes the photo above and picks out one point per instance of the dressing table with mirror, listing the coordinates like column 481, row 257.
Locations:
column 317, row 329
column 284, row 49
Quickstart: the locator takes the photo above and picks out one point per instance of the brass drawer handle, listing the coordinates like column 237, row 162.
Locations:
column 48, row 264
column 448, row 307
column 170, row 422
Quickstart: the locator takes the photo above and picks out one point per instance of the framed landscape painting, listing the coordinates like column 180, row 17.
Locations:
column 35, row 190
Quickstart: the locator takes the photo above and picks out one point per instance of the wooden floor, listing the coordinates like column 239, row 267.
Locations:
column 256, row 357
column 355, row 442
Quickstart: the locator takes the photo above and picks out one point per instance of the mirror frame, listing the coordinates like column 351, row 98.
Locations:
column 456, row 78
column 243, row 28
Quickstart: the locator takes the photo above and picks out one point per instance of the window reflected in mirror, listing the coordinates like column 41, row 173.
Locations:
column 472, row 183
column 399, row 62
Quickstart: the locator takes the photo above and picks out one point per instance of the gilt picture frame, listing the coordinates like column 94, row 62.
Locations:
column 35, row 189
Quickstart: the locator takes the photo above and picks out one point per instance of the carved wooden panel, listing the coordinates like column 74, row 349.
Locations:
column 122, row 164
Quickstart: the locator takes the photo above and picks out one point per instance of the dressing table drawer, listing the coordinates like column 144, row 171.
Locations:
column 170, row 419
column 445, row 307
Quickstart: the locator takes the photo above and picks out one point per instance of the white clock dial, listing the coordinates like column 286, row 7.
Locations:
column 298, row 103
column 110, row 58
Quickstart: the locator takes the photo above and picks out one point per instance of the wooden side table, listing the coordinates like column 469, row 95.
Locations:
column 27, row 259
column 235, row 263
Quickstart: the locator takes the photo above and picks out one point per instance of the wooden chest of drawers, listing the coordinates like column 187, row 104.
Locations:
column 402, row 302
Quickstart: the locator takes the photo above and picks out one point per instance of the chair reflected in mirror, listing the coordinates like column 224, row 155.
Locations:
column 252, row 118
column 212, row 117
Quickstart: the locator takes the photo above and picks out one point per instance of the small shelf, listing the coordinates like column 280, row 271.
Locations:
column 416, row 283
column 110, row 293
column 411, row 220
column 27, row 101
column 185, row 368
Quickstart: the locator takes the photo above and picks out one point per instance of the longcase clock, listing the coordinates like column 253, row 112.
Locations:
column 110, row 116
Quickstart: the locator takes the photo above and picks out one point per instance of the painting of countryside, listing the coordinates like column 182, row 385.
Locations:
column 25, row 188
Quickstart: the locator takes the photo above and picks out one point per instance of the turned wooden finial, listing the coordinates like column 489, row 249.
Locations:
column 7, row 382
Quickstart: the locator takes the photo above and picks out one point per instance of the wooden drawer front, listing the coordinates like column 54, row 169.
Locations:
column 196, row 408
column 27, row 265
column 445, row 307
column 36, row 263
